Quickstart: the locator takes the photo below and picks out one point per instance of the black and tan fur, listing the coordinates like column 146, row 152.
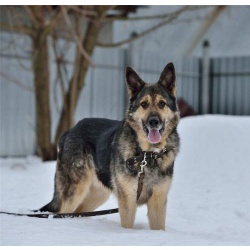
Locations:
column 92, row 155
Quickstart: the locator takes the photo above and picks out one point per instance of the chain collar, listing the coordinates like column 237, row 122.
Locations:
column 142, row 159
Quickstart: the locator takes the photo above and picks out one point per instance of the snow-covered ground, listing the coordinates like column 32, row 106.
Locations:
column 209, row 202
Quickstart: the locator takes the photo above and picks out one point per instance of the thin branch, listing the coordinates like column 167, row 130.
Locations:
column 31, row 15
column 16, row 81
column 58, row 66
column 54, row 18
column 53, row 21
column 102, row 10
column 149, row 17
column 169, row 19
column 189, row 20
column 77, row 39
column 86, row 13
column 18, row 27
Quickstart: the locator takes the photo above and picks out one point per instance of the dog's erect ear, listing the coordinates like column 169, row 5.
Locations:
column 167, row 79
column 134, row 82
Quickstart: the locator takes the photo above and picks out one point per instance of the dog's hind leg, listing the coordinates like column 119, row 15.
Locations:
column 72, row 201
column 72, row 185
column 75, row 190
column 96, row 196
column 69, row 192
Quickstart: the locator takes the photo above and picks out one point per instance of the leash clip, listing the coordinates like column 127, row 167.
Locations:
column 143, row 164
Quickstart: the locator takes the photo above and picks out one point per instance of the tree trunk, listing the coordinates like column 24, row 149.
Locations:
column 42, row 94
column 77, row 80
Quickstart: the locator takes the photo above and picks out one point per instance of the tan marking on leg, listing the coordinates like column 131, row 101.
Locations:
column 81, row 191
column 127, row 200
column 127, row 211
column 157, row 206
column 96, row 196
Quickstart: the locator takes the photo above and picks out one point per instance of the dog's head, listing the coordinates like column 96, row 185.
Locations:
column 153, row 111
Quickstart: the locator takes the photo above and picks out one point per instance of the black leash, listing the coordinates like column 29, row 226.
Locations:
column 136, row 165
column 66, row 215
column 132, row 165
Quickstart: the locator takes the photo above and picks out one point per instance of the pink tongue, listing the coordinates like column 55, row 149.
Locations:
column 154, row 135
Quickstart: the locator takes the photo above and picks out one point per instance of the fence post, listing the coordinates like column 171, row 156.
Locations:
column 205, row 90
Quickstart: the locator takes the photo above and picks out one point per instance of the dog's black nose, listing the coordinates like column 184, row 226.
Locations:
column 153, row 121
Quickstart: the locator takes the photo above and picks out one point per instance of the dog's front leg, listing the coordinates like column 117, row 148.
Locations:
column 127, row 210
column 157, row 206
column 127, row 202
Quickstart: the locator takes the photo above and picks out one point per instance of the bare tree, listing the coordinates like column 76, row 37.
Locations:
column 52, row 21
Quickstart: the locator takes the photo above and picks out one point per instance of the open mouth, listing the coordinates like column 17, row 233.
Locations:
column 153, row 134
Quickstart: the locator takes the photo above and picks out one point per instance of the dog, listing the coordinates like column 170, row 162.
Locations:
column 132, row 158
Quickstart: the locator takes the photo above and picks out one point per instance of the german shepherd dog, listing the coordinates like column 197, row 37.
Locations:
column 99, row 156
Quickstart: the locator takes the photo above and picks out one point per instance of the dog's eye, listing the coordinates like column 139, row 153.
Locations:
column 144, row 105
column 161, row 104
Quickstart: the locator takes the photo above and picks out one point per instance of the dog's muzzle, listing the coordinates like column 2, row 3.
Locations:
column 153, row 129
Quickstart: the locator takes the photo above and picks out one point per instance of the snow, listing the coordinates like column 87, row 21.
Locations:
column 208, row 202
